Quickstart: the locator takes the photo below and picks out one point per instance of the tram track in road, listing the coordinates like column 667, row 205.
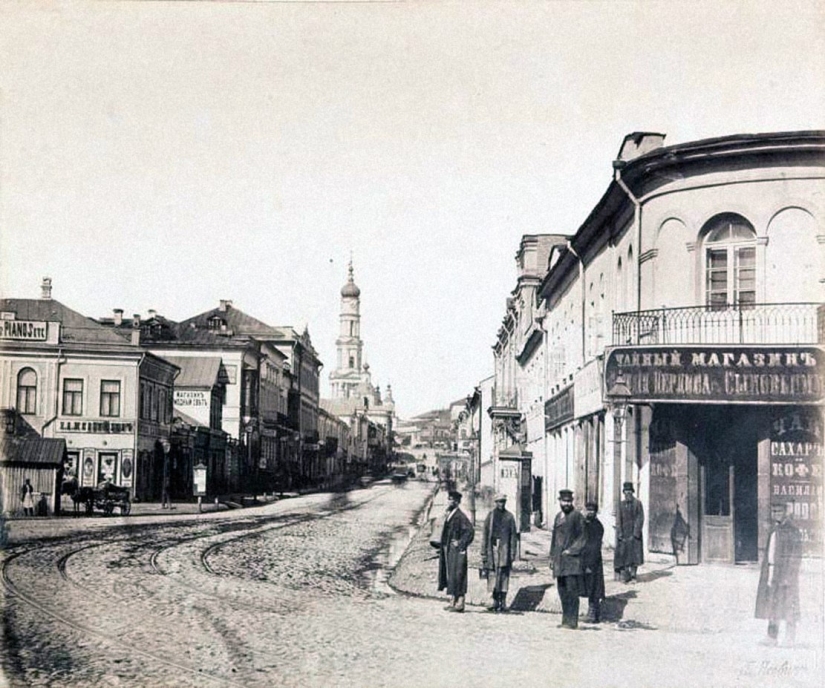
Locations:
column 59, row 562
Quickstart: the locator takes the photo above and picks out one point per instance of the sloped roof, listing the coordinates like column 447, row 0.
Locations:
column 75, row 327
column 189, row 420
column 198, row 371
column 341, row 407
column 39, row 451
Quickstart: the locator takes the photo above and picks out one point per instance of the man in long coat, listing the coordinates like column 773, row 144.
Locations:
column 498, row 551
column 630, row 520
column 566, row 547
column 777, row 597
column 592, row 562
column 456, row 536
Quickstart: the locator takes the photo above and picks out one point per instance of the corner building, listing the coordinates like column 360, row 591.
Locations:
column 709, row 258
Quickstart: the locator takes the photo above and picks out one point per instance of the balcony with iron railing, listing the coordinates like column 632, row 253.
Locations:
column 759, row 323
column 505, row 401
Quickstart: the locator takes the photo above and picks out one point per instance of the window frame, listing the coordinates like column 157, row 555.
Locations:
column 75, row 408
column 108, row 398
column 732, row 261
column 26, row 393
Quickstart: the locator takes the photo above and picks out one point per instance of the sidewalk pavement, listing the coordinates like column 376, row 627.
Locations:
column 703, row 599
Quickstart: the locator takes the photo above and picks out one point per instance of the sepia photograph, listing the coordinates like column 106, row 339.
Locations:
column 408, row 343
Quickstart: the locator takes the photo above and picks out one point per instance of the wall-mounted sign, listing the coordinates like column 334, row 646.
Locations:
column 185, row 397
column 127, row 467
column 27, row 330
column 736, row 374
column 558, row 409
column 796, row 454
column 103, row 427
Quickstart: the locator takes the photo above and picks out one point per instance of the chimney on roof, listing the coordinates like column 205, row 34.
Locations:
column 226, row 304
column 136, row 321
column 118, row 316
column 638, row 143
column 136, row 329
column 152, row 313
column 46, row 289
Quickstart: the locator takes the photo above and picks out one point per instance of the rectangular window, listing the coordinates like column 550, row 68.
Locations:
column 153, row 393
column 144, row 400
column 745, row 279
column 72, row 397
column 717, row 278
column 110, row 398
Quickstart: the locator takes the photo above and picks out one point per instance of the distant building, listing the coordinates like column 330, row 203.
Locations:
column 67, row 377
column 354, row 397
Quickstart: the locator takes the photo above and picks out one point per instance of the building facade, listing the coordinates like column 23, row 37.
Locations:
column 682, row 328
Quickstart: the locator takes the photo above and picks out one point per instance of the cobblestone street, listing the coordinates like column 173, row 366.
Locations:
column 295, row 593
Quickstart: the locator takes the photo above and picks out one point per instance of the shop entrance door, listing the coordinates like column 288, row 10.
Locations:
column 717, row 507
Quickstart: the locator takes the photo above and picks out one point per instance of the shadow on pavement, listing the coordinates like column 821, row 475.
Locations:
column 529, row 597
column 653, row 575
column 613, row 607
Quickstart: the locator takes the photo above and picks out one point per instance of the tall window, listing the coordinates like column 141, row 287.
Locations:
column 27, row 391
column 110, row 398
column 72, row 397
column 730, row 262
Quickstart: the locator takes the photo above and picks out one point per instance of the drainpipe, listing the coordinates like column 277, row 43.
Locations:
column 637, row 221
column 59, row 361
column 583, row 300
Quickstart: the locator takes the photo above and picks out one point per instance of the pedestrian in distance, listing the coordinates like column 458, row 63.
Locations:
column 456, row 536
column 498, row 551
column 592, row 562
column 566, row 547
column 27, row 497
column 777, row 597
column 630, row 519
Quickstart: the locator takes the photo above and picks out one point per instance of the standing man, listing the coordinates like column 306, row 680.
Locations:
column 630, row 520
column 592, row 562
column 565, row 558
column 498, row 551
column 27, row 497
column 777, row 597
column 456, row 536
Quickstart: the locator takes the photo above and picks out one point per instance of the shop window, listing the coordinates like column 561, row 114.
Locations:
column 72, row 397
column 730, row 262
column 110, row 398
column 27, row 391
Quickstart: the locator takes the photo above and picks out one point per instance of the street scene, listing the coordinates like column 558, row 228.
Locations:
column 340, row 590
column 411, row 343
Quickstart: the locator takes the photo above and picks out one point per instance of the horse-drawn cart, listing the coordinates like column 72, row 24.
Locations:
column 105, row 497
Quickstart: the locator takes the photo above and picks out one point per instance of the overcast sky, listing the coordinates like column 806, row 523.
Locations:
column 168, row 155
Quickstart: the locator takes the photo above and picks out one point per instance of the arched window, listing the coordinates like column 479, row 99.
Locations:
column 730, row 262
column 27, row 391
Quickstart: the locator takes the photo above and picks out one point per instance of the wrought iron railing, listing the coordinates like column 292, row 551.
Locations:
column 760, row 323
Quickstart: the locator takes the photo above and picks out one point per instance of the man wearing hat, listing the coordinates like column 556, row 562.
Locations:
column 456, row 536
column 630, row 519
column 566, row 547
column 592, row 562
column 498, row 551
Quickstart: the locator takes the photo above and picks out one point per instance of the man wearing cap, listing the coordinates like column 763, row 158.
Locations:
column 456, row 536
column 566, row 547
column 498, row 551
column 592, row 562
column 630, row 519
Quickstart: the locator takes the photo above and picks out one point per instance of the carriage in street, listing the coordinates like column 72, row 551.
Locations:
column 105, row 497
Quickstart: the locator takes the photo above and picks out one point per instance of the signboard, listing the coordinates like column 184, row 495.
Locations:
column 735, row 374
column 199, row 480
column 185, row 397
column 23, row 330
column 104, row 427
column 558, row 409
column 127, row 467
column 796, row 456
column 588, row 384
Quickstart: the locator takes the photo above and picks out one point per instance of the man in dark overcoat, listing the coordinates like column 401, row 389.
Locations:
column 777, row 597
column 592, row 562
column 630, row 520
column 456, row 536
column 499, row 546
column 566, row 547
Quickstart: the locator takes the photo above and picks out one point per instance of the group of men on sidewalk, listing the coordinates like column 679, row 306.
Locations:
column 575, row 553
column 576, row 558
